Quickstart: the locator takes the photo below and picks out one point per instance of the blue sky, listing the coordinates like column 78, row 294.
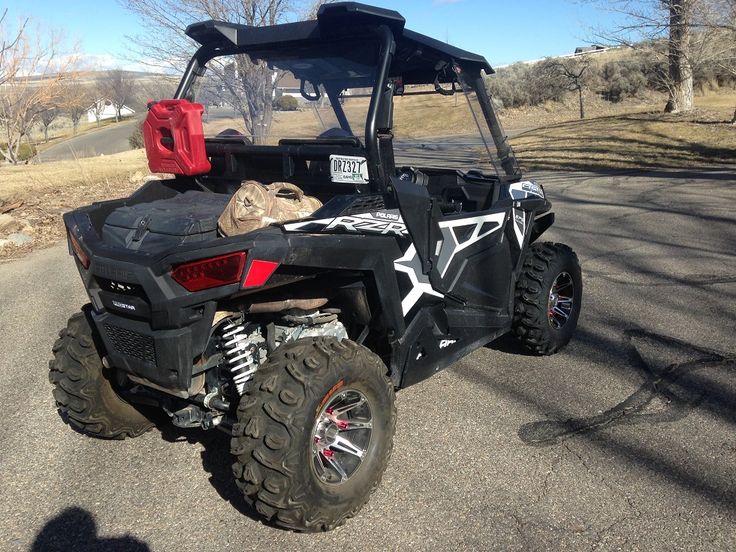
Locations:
column 503, row 31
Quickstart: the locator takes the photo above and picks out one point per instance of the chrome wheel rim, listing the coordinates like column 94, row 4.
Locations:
column 341, row 436
column 561, row 300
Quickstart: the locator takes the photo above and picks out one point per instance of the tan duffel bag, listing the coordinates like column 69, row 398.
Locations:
column 255, row 206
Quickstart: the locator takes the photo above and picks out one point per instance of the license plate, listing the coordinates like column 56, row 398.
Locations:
column 346, row 168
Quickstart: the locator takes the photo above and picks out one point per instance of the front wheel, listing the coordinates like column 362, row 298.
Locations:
column 548, row 298
column 314, row 433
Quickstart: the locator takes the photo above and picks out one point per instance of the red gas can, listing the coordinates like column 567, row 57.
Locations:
column 174, row 138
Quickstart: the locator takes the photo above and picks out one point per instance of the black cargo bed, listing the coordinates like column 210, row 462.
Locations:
column 155, row 226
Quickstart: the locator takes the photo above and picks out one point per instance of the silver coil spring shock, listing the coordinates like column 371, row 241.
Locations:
column 240, row 354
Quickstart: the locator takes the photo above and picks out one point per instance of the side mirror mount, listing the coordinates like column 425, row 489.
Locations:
column 445, row 92
column 309, row 97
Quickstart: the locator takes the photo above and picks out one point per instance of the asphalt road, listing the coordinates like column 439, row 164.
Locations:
column 107, row 140
column 624, row 441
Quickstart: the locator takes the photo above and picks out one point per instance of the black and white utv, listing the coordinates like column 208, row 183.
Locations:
column 293, row 337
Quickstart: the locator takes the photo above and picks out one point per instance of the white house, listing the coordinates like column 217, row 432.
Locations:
column 103, row 109
column 287, row 86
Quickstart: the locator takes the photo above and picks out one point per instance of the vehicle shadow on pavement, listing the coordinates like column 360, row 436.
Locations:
column 76, row 529
column 508, row 343
column 216, row 461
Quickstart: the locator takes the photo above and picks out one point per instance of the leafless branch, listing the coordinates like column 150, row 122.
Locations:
column 248, row 85
column 33, row 70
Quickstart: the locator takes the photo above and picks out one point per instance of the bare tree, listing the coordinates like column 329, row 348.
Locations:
column 47, row 115
column 693, row 31
column 716, row 20
column 98, row 108
column 248, row 85
column 118, row 87
column 156, row 87
column 573, row 72
column 76, row 99
column 679, row 56
column 7, row 46
column 31, row 71
column 646, row 24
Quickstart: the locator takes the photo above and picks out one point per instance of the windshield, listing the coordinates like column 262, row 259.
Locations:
column 282, row 95
column 297, row 91
column 434, row 130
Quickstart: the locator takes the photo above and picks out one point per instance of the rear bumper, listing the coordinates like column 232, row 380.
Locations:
column 164, row 357
column 150, row 326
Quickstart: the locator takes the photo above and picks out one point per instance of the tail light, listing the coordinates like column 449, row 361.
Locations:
column 210, row 273
column 259, row 273
column 79, row 252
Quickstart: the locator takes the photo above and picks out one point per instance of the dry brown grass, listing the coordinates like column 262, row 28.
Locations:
column 644, row 140
column 296, row 124
column 568, row 110
column 721, row 103
column 64, row 175
column 49, row 190
column 629, row 134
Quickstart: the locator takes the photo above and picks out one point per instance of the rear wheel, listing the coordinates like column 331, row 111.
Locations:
column 314, row 433
column 548, row 298
column 85, row 397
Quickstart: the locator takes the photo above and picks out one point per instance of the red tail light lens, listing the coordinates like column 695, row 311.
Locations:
column 259, row 273
column 79, row 252
column 210, row 273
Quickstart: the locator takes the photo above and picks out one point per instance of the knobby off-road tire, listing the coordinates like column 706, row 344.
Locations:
column 274, row 438
column 550, row 277
column 83, row 393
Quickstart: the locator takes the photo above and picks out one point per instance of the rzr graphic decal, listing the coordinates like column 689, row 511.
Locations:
column 451, row 244
column 519, row 225
column 411, row 265
column 387, row 223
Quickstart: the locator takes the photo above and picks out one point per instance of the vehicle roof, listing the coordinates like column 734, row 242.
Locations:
column 418, row 57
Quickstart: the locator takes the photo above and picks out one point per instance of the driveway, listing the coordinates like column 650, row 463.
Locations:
column 624, row 441
column 106, row 140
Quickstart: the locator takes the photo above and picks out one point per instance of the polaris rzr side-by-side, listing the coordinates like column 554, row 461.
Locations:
column 293, row 335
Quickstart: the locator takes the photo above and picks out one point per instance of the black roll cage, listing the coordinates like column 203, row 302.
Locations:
column 379, row 116
column 387, row 47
